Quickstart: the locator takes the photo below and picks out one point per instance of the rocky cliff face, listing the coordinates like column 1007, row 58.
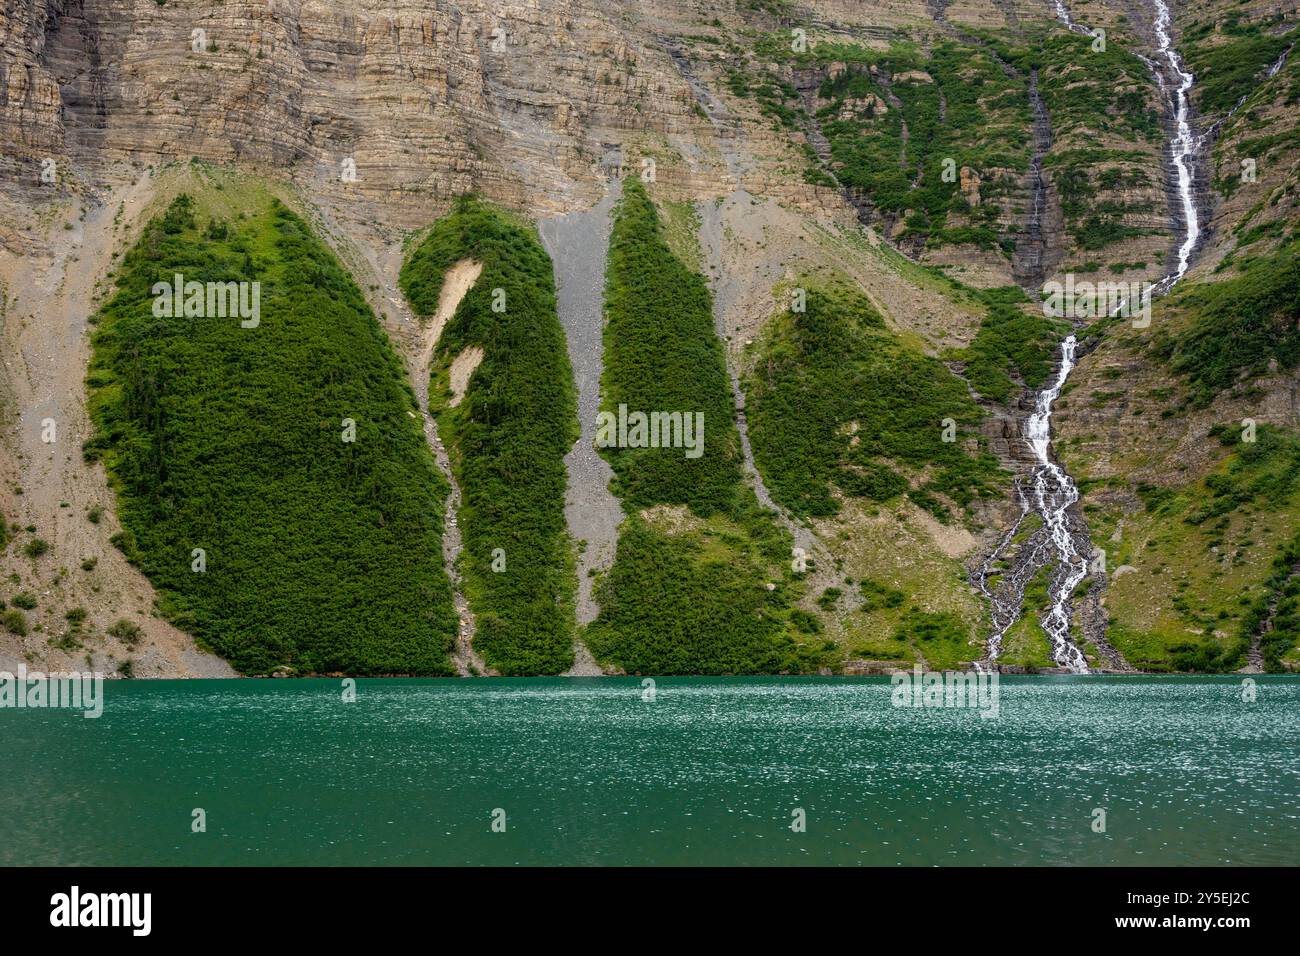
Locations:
column 31, row 121
column 406, row 104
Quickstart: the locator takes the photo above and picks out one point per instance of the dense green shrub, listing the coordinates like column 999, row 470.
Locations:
column 876, row 595
column 668, row 607
column 1266, row 469
column 321, row 554
column 1239, row 325
column 1207, row 657
column 836, row 399
column 15, row 623
column 509, row 436
column 661, row 354
column 1013, row 349
column 710, row 593
column 126, row 631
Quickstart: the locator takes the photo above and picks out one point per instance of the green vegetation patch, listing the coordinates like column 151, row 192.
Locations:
column 509, row 435
column 1085, row 89
column 321, row 554
column 662, row 355
column 836, row 400
column 1265, row 469
column 1089, row 93
column 1013, row 348
column 1229, row 58
column 703, row 582
column 1238, row 325
column 1210, row 562
column 941, row 638
column 901, row 133
column 698, row 604
column 1274, row 616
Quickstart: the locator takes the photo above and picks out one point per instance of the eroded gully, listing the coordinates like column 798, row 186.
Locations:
column 577, row 244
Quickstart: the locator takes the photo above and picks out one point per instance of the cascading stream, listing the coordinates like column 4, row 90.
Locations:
column 1049, row 490
column 1184, row 144
column 1054, row 493
column 1063, row 14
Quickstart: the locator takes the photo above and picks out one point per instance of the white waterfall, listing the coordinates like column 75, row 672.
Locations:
column 1054, row 493
column 1183, row 146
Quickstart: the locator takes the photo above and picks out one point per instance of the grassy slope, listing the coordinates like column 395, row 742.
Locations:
column 1239, row 324
column 1229, row 57
column 1198, row 557
column 1013, row 349
column 893, row 550
column 687, row 593
column 1198, row 553
column 846, row 420
column 509, row 436
column 838, row 401
column 321, row 554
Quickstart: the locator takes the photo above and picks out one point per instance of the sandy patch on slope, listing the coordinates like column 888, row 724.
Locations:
column 460, row 278
column 462, row 368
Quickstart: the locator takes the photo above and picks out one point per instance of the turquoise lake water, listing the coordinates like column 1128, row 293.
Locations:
column 710, row 771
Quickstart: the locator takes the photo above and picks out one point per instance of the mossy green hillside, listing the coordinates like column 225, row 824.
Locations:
column 320, row 554
column 1194, row 571
column 840, row 406
column 703, row 581
column 689, row 596
column 907, row 593
column 1238, row 326
column 509, row 435
column 1230, row 55
column 1015, row 347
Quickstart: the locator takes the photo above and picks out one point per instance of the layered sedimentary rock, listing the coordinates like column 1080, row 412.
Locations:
column 409, row 103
